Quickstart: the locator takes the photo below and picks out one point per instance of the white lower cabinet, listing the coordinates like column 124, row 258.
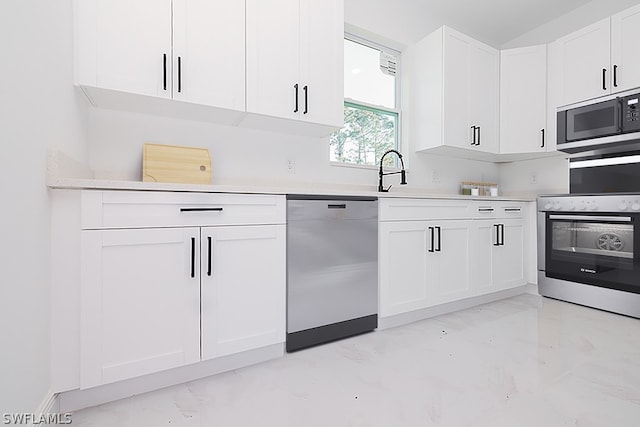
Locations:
column 140, row 305
column 497, row 262
column 423, row 263
column 462, row 253
column 243, row 292
column 158, row 298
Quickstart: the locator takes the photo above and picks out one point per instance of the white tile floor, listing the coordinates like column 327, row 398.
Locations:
column 523, row 361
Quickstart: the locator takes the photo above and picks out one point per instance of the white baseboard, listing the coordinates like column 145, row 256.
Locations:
column 438, row 310
column 50, row 405
column 75, row 400
column 532, row 289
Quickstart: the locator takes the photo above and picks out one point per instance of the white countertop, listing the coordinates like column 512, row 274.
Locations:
column 315, row 188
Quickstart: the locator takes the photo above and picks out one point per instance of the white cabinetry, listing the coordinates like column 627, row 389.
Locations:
column 498, row 251
column 202, row 278
column 523, row 101
column 140, row 304
column 295, row 60
column 434, row 252
column 455, row 93
column 600, row 59
column 187, row 50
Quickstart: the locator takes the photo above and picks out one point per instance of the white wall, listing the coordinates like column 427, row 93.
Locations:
column 39, row 108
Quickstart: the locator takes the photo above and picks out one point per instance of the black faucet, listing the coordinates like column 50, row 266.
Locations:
column 403, row 174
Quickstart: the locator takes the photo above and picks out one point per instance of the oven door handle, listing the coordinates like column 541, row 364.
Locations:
column 592, row 218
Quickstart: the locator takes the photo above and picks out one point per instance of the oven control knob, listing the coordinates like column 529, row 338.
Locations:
column 623, row 206
column 571, row 207
column 548, row 206
column 593, row 207
column 635, row 206
column 582, row 207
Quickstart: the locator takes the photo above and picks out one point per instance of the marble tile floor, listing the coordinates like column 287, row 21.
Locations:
column 525, row 361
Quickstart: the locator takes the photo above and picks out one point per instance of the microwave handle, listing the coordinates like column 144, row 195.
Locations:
column 620, row 113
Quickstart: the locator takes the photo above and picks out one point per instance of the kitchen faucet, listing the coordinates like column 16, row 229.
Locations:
column 403, row 175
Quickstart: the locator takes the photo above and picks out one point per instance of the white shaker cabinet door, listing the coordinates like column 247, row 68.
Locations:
column 457, row 91
column 481, row 258
column 484, row 74
column 140, row 302
column 243, row 288
column 125, row 45
column 208, row 53
column 625, row 54
column 273, row 86
column 448, row 260
column 508, row 257
column 403, row 267
column 584, row 67
column 523, row 100
column 322, row 61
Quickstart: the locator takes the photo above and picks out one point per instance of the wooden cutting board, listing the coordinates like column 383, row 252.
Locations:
column 170, row 163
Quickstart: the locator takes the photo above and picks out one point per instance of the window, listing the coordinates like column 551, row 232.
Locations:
column 371, row 115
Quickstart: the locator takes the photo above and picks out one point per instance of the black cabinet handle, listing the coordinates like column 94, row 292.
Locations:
column 485, row 209
column 512, row 209
column 501, row 234
column 164, row 70
column 209, row 256
column 338, row 206
column 179, row 74
column 497, row 229
column 439, row 249
column 306, row 99
column 201, row 209
column 295, row 86
column 473, row 128
column 193, row 257
column 431, row 233
column 604, row 79
column 615, row 76
column 542, row 146
column 478, row 136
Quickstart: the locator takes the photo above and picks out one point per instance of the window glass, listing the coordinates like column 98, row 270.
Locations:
column 371, row 118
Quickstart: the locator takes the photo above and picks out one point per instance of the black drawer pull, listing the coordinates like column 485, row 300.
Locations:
column 201, row 209
column 485, row 209
column 338, row 206
column 512, row 209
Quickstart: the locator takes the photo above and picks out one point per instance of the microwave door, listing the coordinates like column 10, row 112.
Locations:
column 592, row 121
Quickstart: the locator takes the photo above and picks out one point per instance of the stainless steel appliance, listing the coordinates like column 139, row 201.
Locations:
column 589, row 250
column 611, row 121
column 332, row 268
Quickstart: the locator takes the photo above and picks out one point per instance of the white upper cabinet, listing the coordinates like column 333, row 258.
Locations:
column 294, row 60
column 208, row 53
column 584, row 68
column 625, row 54
column 523, row 100
column 125, row 45
column 455, row 90
column 188, row 50
column 600, row 59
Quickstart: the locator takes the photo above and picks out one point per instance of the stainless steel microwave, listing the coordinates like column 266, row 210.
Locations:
column 615, row 121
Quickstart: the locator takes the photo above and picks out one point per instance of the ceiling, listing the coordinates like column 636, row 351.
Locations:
column 494, row 22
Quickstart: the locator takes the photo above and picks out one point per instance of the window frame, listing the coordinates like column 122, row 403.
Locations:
column 377, row 108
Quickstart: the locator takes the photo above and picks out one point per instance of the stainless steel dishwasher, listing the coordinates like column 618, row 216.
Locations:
column 332, row 268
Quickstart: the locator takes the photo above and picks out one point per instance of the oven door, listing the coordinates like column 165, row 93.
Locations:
column 592, row 121
column 600, row 250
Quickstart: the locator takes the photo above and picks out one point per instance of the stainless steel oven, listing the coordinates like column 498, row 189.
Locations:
column 590, row 250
